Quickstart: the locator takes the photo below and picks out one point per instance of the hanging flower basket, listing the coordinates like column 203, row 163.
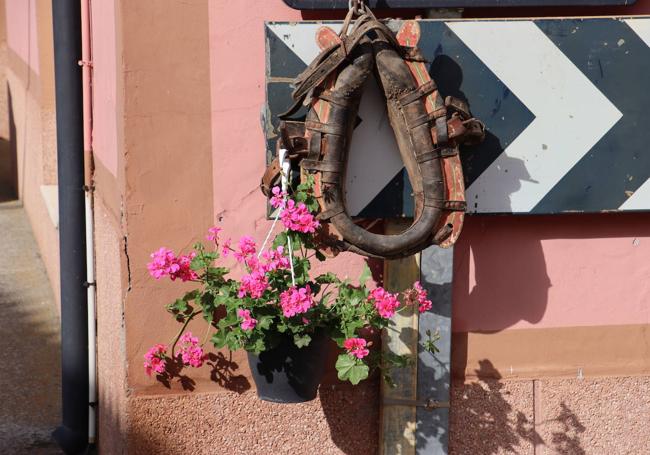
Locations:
column 278, row 311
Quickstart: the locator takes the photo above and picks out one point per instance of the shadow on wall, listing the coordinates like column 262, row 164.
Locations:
column 497, row 263
column 223, row 372
column 486, row 422
column 350, row 414
column 9, row 157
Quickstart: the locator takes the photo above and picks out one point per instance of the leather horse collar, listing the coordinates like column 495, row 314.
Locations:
column 428, row 131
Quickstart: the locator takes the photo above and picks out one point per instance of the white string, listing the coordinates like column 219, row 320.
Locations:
column 268, row 236
column 293, row 277
column 284, row 172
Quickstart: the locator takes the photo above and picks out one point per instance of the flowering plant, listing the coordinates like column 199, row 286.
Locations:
column 277, row 297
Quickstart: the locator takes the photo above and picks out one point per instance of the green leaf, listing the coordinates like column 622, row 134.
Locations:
column 180, row 309
column 320, row 256
column 257, row 346
column 429, row 345
column 192, row 295
column 365, row 275
column 328, row 277
column 264, row 322
column 282, row 327
column 358, row 373
column 351, row 369
column 312, row 204
column 280, row 239
column 217, row 272
column 351, row 327
column 219, row 339
column 232, row 341
column 198, row 263
column 301, row 340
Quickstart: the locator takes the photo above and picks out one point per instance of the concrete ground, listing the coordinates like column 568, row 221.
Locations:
column 30, row 389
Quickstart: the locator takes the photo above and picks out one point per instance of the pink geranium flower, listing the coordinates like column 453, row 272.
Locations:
column 296, row 301
column 275, row 259
column 418, row 296
column 165, row 263
column 253, row 284
column 248, row 322
column 155, row 360
column 191, row 353
column 247, row 248
column 385, row 302
column 356, row 347
column 298, row 218
column 213, row 234
column 225, row 248
column 277, row 200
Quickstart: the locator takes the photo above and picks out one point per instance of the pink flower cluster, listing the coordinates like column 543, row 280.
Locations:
column 418, row 296
column 277, row 200
column 191, row 353
column 385, row 302
column 155, row 359
column 248, row 322
column 298, row 218
column 255, row 283
column 356, row 347
column 296, row 301
column 164, row 262
column 247, row 248
column 275, row 259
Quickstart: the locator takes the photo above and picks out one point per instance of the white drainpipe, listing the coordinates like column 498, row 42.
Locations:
column 86, row 64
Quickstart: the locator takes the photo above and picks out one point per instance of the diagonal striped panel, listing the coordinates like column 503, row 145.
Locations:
column 613, row 57
column 570, row 114
column 563, row 101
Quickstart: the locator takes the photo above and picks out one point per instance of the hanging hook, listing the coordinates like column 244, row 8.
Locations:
column 356, row 6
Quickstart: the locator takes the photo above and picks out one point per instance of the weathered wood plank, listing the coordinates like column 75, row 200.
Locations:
column 398, row 423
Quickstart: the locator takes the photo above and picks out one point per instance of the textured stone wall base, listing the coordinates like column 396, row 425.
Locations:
column 342, row 420
column 551, row 416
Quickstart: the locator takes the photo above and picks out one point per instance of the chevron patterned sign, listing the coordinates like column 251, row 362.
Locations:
column 565, row 102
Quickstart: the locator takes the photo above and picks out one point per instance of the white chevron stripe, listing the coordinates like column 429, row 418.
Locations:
column 301, row 39
column 571, row 114
column 641, row 27
column 374, row 158
column 640, row 200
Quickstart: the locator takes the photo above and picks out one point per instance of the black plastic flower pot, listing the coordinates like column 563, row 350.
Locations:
column 289, row 374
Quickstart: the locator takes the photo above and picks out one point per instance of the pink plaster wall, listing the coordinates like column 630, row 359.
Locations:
column 104, row 84
column 237, row 91
column 22, row 30
column 552, row 271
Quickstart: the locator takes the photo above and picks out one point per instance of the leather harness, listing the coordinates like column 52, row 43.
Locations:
column 332, row 86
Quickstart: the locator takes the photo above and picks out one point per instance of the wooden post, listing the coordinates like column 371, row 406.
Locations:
column 398, row 422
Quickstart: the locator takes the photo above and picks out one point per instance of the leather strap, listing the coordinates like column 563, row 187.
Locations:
column 322, row 166
column 420, row 92
column 333, row 98
column 452, row 206
column 437, row 153
column 271, row 176
column 327, row 128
